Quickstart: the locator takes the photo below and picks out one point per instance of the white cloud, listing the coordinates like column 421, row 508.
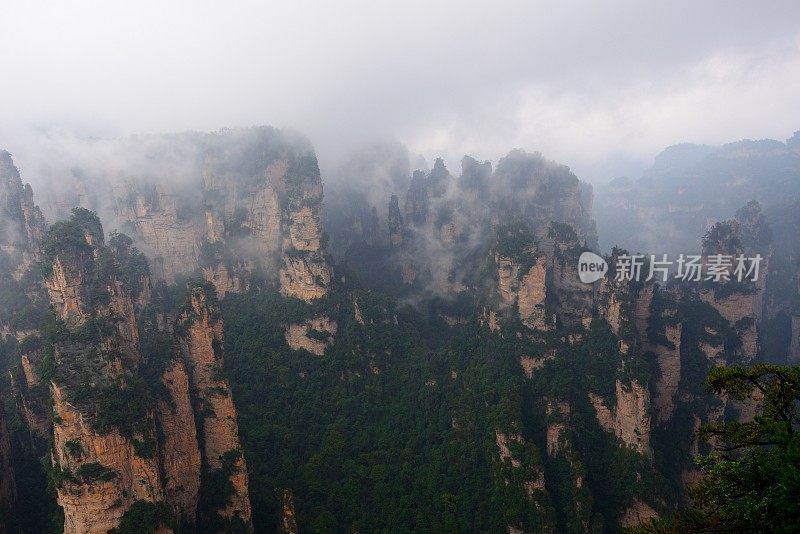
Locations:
column 599, row 86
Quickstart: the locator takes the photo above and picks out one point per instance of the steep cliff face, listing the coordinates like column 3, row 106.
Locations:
column 31, row 395
column 738, row 309
column 439, row 242
column 572, row 300
column 234, row 205
column 629, row 420
column 168, row 237
column 103, row 474
column 21, row 229
column 525, row 291
column 179, row 453
column 8, row 491
column 127, row 408
column 739, row 302
column 202, row 340
column 669, row 364
column 104, row 465
column 21, row 221
column 559, row 431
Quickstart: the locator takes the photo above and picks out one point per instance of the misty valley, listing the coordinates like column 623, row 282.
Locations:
column 202, row 332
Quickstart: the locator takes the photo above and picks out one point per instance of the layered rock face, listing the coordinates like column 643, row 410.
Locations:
column 235, row 205
column 124, row 407
column 524, row 291
column 22, row 298
column 738, row 302
column 105, row 469
column 169, row 237
column 202, row 344
column 669, row 365
column 625, row 304
column 106, row 474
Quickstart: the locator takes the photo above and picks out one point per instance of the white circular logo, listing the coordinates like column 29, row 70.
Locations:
column 591, row 267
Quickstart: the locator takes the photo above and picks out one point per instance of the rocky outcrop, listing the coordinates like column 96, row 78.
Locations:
column 532, row 364
column 104, row 469
column 20, row 219
column 103, row 474
column 107, row 460
column 502, row 441
column 573, row 299
column 738, row 308
column 180, row 453
column 202, row 341
column 64, row 287
column 224, row 281
column 288, row 522
column 524, row 290
column 558, row 414
column 306, row 278
column 234, row 205
column 314, row 335
column 305, row 273
column 169, row 239
column 32, row 397
column 629, row 420
column 558, row 436
column 669, row 364
column 518, row 469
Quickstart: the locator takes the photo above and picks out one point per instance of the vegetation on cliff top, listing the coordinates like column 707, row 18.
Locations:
column 752, row 475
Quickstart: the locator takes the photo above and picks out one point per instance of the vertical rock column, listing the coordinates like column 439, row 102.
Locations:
column 202, row 340
column 305, row 273
column 101, row 473
column 180, row 452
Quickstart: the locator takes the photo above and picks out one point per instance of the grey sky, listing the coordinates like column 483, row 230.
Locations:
column 600, row 86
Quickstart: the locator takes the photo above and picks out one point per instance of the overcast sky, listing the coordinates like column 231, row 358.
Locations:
column 600, row 86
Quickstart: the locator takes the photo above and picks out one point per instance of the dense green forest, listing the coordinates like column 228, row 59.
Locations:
column 394, row 428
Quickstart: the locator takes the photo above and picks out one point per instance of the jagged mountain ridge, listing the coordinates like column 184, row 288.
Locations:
column 112, row 382
column 566, row 369
column 691, row 187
